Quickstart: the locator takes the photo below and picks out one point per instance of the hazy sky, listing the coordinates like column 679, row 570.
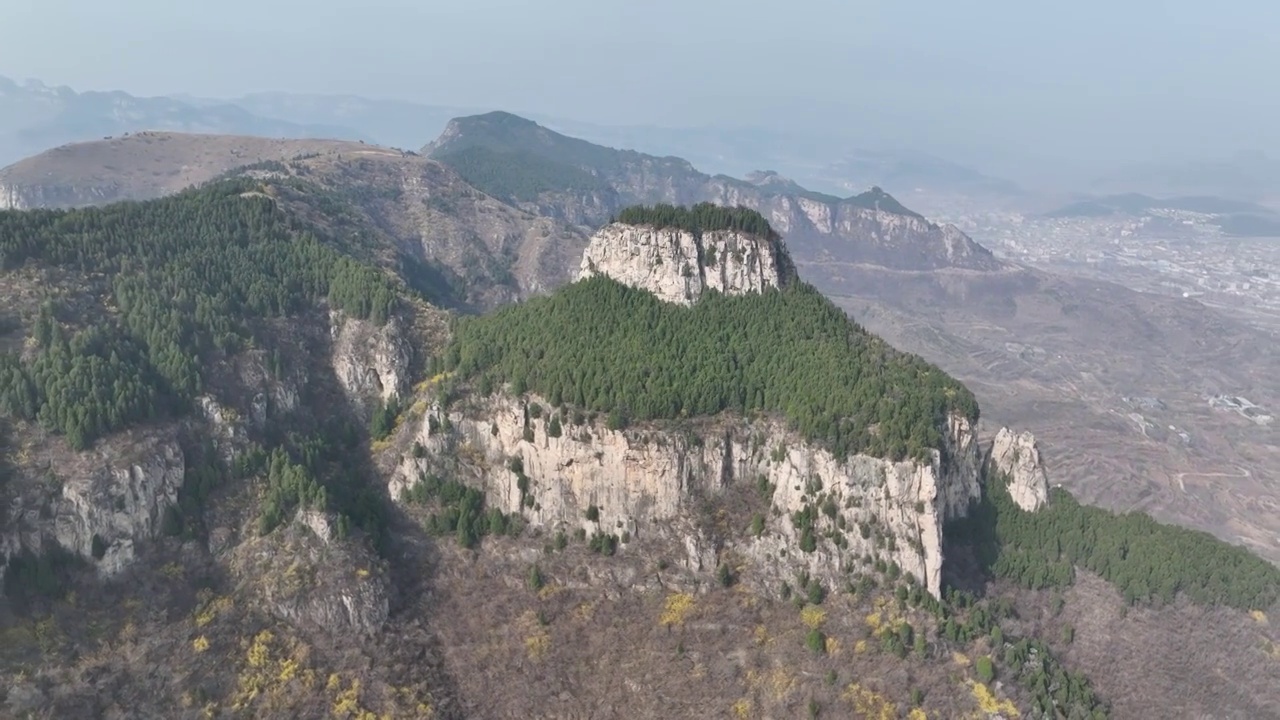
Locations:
column 1080, row 82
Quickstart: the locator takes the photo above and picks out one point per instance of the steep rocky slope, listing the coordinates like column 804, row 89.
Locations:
column 456, row 245
column 585, row 184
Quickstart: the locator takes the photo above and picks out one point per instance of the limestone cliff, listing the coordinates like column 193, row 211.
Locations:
column 105, row 502
column 1017, row 456
column 678, row 265
column 649, row 481
column 14, row 196
column 370, row 361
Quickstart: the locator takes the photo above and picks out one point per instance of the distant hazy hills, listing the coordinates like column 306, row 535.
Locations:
column 1234, row 217
column 395, row 123
column 906, row 171
column 1254, row 176
column 35, row 117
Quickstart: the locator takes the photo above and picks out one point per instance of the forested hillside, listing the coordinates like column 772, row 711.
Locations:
column 519, row 175
column 602, row 346
column 181, row 281
column 1147, row 561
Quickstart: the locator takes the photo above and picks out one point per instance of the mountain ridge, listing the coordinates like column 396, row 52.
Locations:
column 872, row 227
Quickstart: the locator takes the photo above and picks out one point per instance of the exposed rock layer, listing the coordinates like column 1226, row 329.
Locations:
column 1017, row 456
column 370, row 360
column 650, row 481
column 678, row 265
column 108, row 502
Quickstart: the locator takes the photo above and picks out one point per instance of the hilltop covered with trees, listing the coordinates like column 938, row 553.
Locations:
column 603, row 346
column 703, row 217
column 185, row 274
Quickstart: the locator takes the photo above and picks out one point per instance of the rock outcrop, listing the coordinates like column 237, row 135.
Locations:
column 678, row 265
column 109, row 501
column 14, row 196
column 103, row 513
column 306, row 575
column 1016, row 456
column 370, row 361
column 649, row 481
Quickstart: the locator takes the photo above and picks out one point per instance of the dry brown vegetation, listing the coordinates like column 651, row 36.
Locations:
column 147, row 165
column 1177, row 661
column 484, row 251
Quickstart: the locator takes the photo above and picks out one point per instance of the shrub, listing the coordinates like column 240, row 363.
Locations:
column 986, row 672
column 816, row 641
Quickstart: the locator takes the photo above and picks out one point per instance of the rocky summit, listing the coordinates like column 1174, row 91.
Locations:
column 679, row 265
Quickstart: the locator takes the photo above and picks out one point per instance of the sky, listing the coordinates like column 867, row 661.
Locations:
column 1006, row 84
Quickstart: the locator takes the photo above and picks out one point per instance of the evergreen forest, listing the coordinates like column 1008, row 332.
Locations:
column 182, row 276
column 1147, row 561
column 599, row 345
column 181, row 281
column 703, row 217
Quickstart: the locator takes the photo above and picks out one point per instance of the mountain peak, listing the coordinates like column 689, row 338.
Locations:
column 877, row 199
column 679, row 253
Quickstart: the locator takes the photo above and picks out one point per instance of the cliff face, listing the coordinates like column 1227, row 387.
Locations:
column 370, row 361
column 108, row 502
column 1017, row 456
column 14, row 196
column 650, row 481
column 678, row 266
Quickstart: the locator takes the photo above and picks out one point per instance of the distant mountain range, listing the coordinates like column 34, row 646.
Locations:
column 35, row 117
column 524, row 163
column 908, row 171
column 1253, row 176
column 1234, row 217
